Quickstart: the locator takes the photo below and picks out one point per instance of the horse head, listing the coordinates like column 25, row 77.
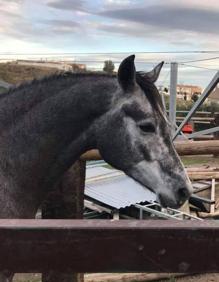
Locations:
column 134, row 136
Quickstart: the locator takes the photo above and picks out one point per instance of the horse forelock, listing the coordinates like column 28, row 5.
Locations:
column 151, row 93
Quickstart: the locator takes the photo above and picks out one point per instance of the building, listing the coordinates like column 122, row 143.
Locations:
column 214, row 96
column 60, row 65
column 186, row 92
column 78, row 67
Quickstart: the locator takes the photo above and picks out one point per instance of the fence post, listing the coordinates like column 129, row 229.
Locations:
column 173, row 92
column 216, row 134
column 66, row 202
column 216, row 123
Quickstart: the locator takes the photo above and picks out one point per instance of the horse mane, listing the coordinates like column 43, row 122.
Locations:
column 146, row 85
column 54, row 77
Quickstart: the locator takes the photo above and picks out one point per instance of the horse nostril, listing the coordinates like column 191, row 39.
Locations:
column 183, row 193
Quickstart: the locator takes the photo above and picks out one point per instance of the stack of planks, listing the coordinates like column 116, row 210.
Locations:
column 203, row 173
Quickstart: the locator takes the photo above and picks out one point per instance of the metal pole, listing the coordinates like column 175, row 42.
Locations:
column 173, row 85
column 203, row 132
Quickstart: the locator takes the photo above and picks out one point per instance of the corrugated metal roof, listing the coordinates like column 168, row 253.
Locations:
column 5, row 84
column 114, row 188
column 97, row 171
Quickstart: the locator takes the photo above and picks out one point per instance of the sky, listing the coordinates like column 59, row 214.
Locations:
column 113, row 29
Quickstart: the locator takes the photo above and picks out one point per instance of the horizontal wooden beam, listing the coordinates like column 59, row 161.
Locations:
column 182, row 147
column 197, row 147
column 109, row 246
column 91, row 155
column 203, row 175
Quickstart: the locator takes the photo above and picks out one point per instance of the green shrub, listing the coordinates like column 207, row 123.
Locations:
column 182, row 105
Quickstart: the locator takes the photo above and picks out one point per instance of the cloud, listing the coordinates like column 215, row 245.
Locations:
column 18, row 25
column 169, row 17
column 117, row 4
column 10, row 13
column 62, row 26
column 209, row 5
column 11, row 7
column 76, row 5
column 158, row 35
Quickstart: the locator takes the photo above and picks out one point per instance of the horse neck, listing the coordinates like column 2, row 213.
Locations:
column 52, row 134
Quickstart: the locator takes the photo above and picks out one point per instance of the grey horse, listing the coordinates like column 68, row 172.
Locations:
column 47, row 124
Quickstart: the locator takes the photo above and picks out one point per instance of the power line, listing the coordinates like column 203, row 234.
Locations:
column 113, row 53
column 101, row 61
column 115, row 62
column 198, row 67
column 201, row 60
column 144, row 61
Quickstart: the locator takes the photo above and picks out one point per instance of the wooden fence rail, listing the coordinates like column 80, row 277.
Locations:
column 182, row 148
column 109, row 246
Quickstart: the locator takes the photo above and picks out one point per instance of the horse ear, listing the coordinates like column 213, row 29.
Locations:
column 154, row 74
column 126, row 73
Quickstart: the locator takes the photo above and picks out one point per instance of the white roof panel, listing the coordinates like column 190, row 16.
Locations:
column 115, row 189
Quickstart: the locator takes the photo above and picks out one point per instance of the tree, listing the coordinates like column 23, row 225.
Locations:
column 166, row 90
column 108, row 66
column 194, row 97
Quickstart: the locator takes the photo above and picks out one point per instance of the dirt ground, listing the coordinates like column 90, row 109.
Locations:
column 128, row 277
column 212, row 277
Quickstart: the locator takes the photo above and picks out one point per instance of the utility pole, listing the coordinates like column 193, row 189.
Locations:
column 173, row 92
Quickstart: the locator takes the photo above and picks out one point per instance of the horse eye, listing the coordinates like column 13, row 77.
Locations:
column 147, row 128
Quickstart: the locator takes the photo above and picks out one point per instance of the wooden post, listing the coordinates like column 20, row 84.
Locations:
column 216, row 134
column 212, row 207
column 66, row 202
column 216, row 123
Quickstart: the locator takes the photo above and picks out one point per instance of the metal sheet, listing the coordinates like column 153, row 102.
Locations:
column 116, row 191
column 96, row 171
column 5, row 84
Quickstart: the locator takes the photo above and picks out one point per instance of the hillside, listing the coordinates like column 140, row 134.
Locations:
column 15, row 74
